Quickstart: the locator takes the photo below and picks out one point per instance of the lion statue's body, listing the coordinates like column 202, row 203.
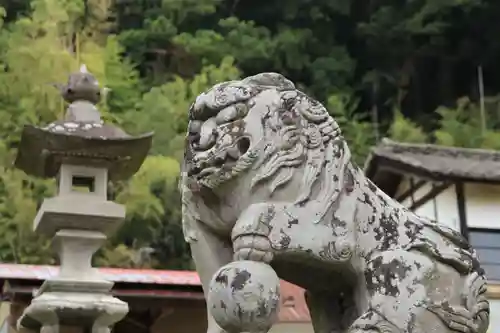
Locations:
column 268, row 177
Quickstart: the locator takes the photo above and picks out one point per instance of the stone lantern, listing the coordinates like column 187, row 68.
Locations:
column 83, row 154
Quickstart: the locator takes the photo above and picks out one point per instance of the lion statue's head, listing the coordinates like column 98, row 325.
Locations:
column 261, row 131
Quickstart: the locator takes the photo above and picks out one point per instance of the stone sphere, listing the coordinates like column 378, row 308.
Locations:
column 244, row 297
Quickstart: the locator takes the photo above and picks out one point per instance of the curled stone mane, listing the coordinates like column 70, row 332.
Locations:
column 298, row 132
column 227, row 93
column 305, row 136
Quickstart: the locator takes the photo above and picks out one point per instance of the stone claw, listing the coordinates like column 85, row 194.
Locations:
column 252, row 247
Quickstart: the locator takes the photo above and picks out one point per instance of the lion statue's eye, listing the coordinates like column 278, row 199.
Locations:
column 226, row 115
column 231, row 113
column 194, row 126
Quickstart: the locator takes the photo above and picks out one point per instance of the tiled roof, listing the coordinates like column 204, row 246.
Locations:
column 293, row 308
column 293, row 304
column 434, row 161
column 140, row 276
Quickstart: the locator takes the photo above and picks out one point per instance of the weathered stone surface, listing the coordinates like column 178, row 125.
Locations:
column 82, row 138
column 78, row 211
column 86, row 310
column 83, row 153
column 244, row 296
column 268, row 177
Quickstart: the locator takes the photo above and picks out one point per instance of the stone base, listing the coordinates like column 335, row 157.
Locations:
column 78, row 211
column 51, row 310
column 71, row 286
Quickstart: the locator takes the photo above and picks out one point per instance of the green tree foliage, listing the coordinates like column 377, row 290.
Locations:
column 18, row 204
column 462, row 127
column 153, row 218
column 404, row 130
column 358, row 131
column 163, row 109
column 39, row 51
column 410, row 61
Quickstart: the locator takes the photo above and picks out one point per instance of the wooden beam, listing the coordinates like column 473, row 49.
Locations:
column 436, row 210
column 139, row 325
column 493, row 290
column 412, row 187
column 411, row 190
column 462, row 212
column 401, row 169
column 435, row 191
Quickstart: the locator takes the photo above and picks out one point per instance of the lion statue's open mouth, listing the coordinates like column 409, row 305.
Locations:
column 209, row 162
column 220, row 143
column 220, row 146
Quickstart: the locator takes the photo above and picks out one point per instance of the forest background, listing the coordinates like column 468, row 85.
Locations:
column 412, row 70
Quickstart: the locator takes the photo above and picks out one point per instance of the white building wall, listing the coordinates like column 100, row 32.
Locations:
column 293, row 328
column 482, row 205
column 494, row 316
column 443, row 208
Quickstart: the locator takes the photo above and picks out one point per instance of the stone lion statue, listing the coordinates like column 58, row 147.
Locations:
column 268, row 177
